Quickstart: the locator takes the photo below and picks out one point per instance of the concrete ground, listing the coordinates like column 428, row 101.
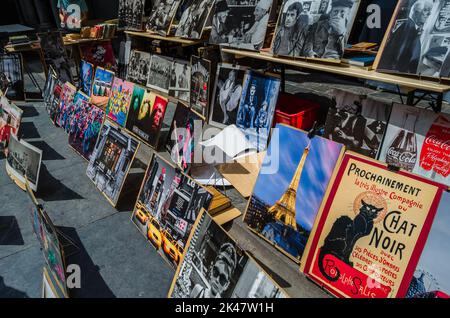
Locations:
column 115, row 259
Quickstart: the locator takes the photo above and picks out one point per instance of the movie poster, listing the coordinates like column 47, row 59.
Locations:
column 146, row 116
column 10, row 120
column 87, row 71
column 284, row 215
column 240, row 23
column 67, row 96
column 227, row 95
column 119, row 101
column 159, row 76
column 215, row 266
column 100, row 54
column 131, row 14
column 138, row 68
column 315, row 28
column 417, row 140
column 257, row 108
column 418, row 41
column 85, row 126
column 193, row 19
column 371, row 230
column 431, row 279
column 357, row 121
column 167, row 208
column 55, row 55
column 23, row 162
column 180, row 81
column 163, row 12
column 12, row 68
column 101, row 88
column 182, row 139
column 111, row 160
column 200, row 85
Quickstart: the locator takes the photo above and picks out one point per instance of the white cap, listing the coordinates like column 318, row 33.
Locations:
column 265, row 4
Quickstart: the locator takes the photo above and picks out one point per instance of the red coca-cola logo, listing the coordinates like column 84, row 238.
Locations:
column 437, row 142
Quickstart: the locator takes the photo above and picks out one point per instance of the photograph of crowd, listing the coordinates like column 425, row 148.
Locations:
column 131, row 14
column 138, row 68
column 162, row 16
column 159, row 73
column 180, row 80
column 200, row 85
column 10, row 120
column 193, row 18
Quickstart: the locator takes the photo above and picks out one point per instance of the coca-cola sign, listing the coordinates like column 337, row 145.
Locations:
column 435, row 154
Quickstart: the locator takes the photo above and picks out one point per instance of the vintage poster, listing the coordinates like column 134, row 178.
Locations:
column 147, row 113
column 215, row 266
column 101, row 88
column 431, row 278
column 167, row 208
column 240, row 24
column 284, row 215
column 138, row 68
column 358, row 121
column 200, row 85
column 180, row 81
column 371, row 230
column 160, row 19
column 111, row 160
column 417, row 140
column 10, row 120
column 100, row 54
column 67, row 96
column 119, row 101
column 87, row 71
column 11, row 66
column 84, row 128
column 418, row 41
column 227, row 95
column 257, row 108
column 193, row 18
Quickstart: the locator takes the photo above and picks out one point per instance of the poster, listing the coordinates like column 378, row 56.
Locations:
column 160, row 19
column 147, row 113
column 216, row 267
column 417, row 140
column 284, row 214
column 49, row 89
column 100, row 54
column 180, row 80
column 11, row 66
column 193, row 19
column 10, row 120
column 55, row 102
column 240, row 23
column 131, row 14
column 160, row 73
column 257, row 108
column 87, row 71
column 200, row 85
column 167, row 208
column 101, row 88
column 119, row 101
column 418, row 40
column 371, row 230
column 67, row 96
column 138, row 68
column 228, row 89
column 111, row 160
column 358, row 121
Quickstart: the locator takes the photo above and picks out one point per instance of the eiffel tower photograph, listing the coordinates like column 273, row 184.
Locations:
column 284, row 205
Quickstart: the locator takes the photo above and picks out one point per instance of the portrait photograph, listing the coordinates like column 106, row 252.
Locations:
column 159, row 75
column 101, row 87
column 139, row 67
column 193, row 19
column 200, row 85
column 180, row 81
column 162, row 15
column 119, row 101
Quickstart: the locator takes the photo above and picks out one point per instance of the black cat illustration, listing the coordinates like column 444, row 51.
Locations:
column 344, row 234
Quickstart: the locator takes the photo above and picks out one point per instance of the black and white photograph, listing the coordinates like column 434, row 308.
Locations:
column 49, row 88
column 55, row 55
column 227, row 95
column 131, row 14
column 138, row 68
column 216, row 267
column 111, row 160
column 11, row 66
column 162, row 15
column 159, row 75
column 23, row 162
column 200, row 85
column 180, row 80
column 193, row 19
column 418, row 42
column 240, row 23
column 4, row 83
column 357, row 121
column 257, row 108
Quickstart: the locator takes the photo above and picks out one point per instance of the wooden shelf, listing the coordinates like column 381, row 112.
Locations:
column 339, row 69
column 173, row 39
column 68, row 42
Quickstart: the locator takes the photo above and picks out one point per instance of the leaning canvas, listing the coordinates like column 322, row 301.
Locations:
column 67, row 96
column 10, row 120
column 284, row 214
column 119, row 101
column 101, row 87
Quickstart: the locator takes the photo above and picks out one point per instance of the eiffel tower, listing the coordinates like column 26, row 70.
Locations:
column 284, row 209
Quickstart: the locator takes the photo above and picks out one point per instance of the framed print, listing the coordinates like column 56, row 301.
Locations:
column 160, row 73
column 160, row 19
column 55, row 101
column 180, row 81
column 357, row 121
column 193, row 19
column 138, row 68
column 10, row 120
column 49, row 88
column 101, row 88
column 11, row 66
column 371, row 230
column 131, row 14
column 200, row 89
column 228, row 89
column 119, row 101
column 215, row 266
column 284, row 215
column 67, row 96
column 87, row 71
column 111, row 160
column 55, row 55
column 167, row 208
column 240, row 23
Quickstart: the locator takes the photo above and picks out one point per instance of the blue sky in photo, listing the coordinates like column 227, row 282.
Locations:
column 436, row 257
column 316, row 175
column 104, row 76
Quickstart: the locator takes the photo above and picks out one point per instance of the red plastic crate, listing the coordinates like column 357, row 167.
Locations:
column 296, row 112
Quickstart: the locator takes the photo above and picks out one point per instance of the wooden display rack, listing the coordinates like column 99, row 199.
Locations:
column 174, row 39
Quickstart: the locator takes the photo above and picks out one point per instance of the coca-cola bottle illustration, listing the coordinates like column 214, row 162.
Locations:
column 403, row 151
